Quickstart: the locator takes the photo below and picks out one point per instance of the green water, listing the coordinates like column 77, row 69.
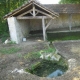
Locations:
column 45, row 67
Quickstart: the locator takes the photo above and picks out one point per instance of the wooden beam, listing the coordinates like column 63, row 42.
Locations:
column 34, row 10
column 45, row 14
column 44, row 30
column 48, row 24
column 31, row 13
column 37, row 13
column 51, row 12
column 31, row 17
column 21, row 9
column 25, row 13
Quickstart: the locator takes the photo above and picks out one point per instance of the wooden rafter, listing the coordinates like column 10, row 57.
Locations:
column 31, row 13
column 37, row 13
column 57, row 15
column 25, row 7
column 25, row 12
column 21, row 9
column 44, row 13
column 34, row 14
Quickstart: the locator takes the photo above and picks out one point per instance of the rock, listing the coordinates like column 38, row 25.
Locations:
column 56, row 57
column 20, row 71
column 6, row 41
column 50, row 56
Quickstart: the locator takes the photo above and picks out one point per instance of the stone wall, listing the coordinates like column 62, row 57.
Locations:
column 63, row 22
column 18, row 29
column 35, row 24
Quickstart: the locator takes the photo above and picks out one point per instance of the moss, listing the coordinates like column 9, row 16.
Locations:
column 45, row 67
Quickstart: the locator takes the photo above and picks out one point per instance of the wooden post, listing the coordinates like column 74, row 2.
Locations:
column 48, row 24
column 44, row 30
column 34, row 11
column 70, row 21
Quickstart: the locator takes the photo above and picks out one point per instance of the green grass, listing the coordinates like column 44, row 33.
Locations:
column 36, row 55
column 63, row 36
column 32, row 56
column 9, row 50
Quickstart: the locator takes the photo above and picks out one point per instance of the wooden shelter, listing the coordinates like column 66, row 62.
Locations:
column 29, row 11
column 35, row 16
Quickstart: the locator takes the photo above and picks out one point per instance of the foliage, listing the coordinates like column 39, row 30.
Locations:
column 9, row 50
column 7, row 6
column 69, row 2
column 4, row 36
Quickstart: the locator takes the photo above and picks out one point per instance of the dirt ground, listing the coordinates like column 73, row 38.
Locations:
column 12, row 65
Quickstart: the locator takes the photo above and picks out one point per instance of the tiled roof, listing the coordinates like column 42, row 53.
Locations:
column 64, row 8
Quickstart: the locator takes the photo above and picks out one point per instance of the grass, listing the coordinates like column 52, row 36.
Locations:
column 49, row 50
column 36, row 55
column 9, row 50
column 32, row 56
column 63, row 36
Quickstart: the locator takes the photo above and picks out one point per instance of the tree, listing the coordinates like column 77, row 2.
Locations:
column 7, row 6
column 69, row 2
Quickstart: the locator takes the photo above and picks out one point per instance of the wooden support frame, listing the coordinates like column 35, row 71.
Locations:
column 56, row 14
column 31, row 13
column 25, row 13
column 44, row 13
column 37, row 13
column 70, row 21
column 21, row 9
column 34, row 11
column 48, row 24
column 44, row 30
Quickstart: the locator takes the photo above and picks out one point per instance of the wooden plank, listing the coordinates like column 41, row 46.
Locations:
column 25, row 13
column 43, row 26
column 31, row 17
